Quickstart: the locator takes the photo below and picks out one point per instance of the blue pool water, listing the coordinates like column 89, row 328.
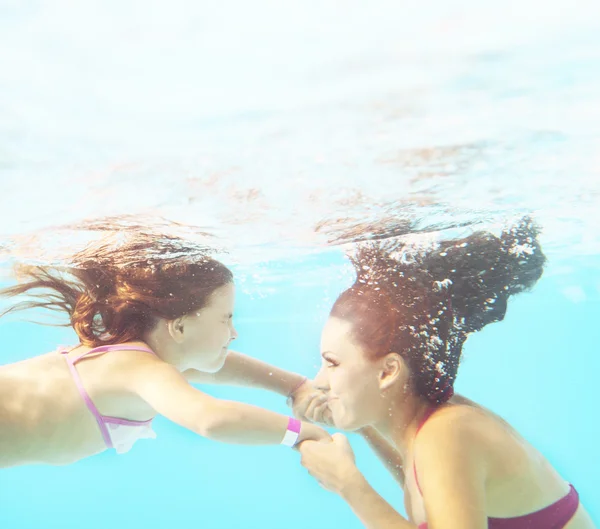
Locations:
column 538, row 369
column 285, row 129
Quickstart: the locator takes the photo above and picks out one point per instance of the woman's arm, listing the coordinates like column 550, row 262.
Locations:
column 311, row 405
column 452, row 474
column 242, row 370
column 386, row 452
column 449, row 503
column 372, row 510
column 166, row 390
column 332, row 464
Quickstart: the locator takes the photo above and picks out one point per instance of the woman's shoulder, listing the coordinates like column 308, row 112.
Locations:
column 463, row 425
column 452, row 419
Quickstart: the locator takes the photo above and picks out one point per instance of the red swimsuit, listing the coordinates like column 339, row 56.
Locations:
column 555, row 516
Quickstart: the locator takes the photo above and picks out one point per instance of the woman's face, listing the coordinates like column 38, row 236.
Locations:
column 209, row 331
column 351, row 380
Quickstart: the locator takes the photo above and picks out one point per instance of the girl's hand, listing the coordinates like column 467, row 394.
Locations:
column 310, row 404
column 331, row 464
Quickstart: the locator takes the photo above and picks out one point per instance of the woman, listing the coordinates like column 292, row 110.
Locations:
column 391, row 350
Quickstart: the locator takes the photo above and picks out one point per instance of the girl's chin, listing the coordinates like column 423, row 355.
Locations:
column 215, row 364
column 220, row 359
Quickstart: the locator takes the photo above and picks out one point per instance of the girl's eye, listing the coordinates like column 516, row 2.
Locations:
column 331, row 363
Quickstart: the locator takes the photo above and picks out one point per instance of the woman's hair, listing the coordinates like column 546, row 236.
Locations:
column 423, row 304
column 114, row 292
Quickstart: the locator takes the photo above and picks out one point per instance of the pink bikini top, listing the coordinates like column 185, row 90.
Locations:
column 554, row 516
column 120, row 434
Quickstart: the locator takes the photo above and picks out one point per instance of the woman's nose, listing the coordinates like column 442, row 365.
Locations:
column 320, row 382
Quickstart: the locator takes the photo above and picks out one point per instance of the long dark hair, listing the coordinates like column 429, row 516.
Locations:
column 113, row 292
column 423, row 307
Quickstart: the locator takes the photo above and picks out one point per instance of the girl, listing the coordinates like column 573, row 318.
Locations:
column 147, row 325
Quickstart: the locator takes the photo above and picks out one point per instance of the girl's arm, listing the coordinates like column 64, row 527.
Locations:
column 169, row 393
column 242, row 370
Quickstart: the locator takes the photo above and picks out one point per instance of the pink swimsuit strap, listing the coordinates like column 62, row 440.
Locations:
column 102, row 420
column 554, row 516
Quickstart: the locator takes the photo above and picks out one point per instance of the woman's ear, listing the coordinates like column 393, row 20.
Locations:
column 393, row 369
column 176, row 328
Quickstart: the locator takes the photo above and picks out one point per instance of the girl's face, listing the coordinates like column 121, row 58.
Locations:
column 209, row 331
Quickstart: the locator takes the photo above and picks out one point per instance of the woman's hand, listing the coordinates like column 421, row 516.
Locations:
column 331, row 463
column 313, row 433
column 310, row 404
